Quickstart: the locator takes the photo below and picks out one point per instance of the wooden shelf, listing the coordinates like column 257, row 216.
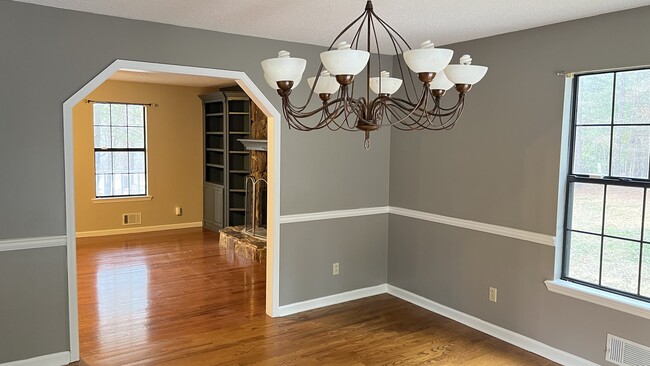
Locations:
column 226, row 119
column 214, row 184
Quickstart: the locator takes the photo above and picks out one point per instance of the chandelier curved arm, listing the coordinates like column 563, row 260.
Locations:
column 408, row 108
column 330, row 110
column 415, row 121
column 339, row 110
column 297, row 112
column 443, row 123
column 461, row 99
column 446, row 119
column 404, row 115
column 399, row 50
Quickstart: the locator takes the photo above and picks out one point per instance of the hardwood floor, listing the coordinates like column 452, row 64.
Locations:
column 176, row 298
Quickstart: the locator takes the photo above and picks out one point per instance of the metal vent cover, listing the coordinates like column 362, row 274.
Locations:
column 132, row 218
column 622, row 352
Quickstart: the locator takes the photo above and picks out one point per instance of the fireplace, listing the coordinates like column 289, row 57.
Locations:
column 255, row 219
column 256, row 189
column 249, row 241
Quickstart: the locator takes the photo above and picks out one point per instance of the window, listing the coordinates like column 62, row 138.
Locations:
column 607, row 222
column 120, row 150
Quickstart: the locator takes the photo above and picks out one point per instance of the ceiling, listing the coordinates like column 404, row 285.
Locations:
column 318, row 22
column 137, row 76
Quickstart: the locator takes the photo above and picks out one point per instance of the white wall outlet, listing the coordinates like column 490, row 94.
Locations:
column 179, row 211
column 493, row 294
column 335, row 268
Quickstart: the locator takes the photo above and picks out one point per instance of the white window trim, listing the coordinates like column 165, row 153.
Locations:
column 600, row 297
column 122, row 199
column 557, row 285
column 127, row 198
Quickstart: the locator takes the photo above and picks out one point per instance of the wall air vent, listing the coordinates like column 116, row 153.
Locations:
column 626, row 353
column 132, row 218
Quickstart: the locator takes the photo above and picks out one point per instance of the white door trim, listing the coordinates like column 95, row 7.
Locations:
column 273, row 245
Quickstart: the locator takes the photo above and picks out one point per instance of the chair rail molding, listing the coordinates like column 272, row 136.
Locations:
column 32, row 243
column 425, row 216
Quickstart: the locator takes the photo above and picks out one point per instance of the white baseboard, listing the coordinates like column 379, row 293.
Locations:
column 331, row 300
column 139, row 229
column 506, row 335
column 32, row 243
column 54, row 359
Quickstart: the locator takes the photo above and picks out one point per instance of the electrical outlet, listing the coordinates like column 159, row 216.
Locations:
column 178, row 210
column 493, row 294
column 335, row 269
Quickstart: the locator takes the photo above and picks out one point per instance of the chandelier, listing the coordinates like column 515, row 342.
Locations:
column 341, row 108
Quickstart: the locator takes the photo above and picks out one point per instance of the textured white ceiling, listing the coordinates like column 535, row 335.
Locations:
column 318, row 22
column 170, row 79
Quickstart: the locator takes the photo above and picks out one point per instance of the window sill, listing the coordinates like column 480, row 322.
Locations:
column 122, row 199
column 603, row 298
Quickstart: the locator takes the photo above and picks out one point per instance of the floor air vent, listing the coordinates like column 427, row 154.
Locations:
column 131, row 218
column 626, row 353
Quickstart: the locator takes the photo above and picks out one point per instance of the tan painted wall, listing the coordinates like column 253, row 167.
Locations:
column 174, row 157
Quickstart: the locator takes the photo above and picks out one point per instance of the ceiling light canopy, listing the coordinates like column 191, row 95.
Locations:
column 418, row 109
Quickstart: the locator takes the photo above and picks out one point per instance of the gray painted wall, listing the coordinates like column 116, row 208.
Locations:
column 47, row 55
column 455, row 266
column 33, row 313
column 53, row 53
column 500, row 165
column 358, row 244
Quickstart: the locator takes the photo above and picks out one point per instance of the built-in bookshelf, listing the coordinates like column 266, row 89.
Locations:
column 227, row 162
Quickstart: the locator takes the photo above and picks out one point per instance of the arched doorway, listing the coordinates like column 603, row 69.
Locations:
column 273, row 205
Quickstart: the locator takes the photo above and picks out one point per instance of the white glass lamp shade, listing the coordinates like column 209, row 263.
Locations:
column 465, row 73
column 427, row 58
column 388, row 85
column 326, row 84
column 274, row 85
column 441, row 82
column 344, row 61
column 284, row 68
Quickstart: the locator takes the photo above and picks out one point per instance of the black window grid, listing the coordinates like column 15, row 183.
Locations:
column 127, row 149
column 606, row 181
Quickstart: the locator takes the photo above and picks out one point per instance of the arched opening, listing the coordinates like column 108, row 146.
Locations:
column 273, row 198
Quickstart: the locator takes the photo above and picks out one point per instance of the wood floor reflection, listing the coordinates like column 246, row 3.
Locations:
column 176, row 298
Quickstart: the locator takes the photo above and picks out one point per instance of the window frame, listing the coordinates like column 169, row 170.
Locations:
column 127, row 149
column 604, row 181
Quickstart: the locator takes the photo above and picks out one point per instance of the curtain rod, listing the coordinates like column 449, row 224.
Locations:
column 106, row 102
column 565, row 74
column 570, row 74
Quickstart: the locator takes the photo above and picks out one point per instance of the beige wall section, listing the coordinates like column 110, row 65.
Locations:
column 174, row 157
